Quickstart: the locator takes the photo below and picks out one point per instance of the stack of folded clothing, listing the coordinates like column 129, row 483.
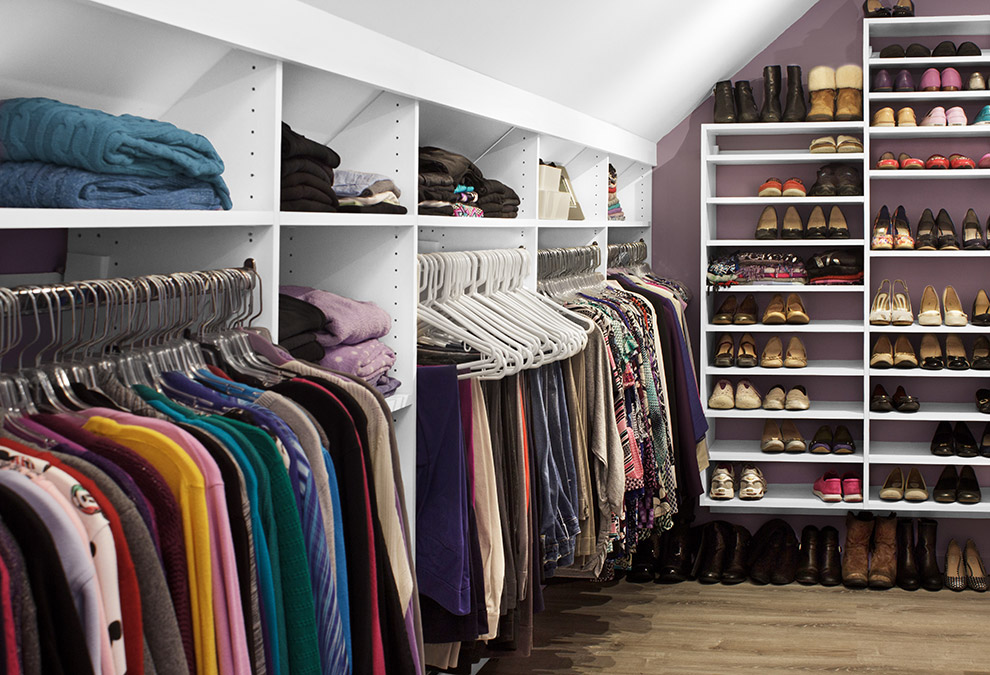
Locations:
column 840, row 267
column 338, row 333
column 614, row 208
column 56, row 155
column 451, row 185
column 307, row 174
column 361, row 192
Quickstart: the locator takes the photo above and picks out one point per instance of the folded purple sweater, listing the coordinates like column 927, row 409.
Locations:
column 349, row 321
column 368, row 360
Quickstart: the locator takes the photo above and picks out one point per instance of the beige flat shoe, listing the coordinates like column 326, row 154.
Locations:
column 823, row 145
column 901, row 313
column 797, row 399
column 775, row 398
column 954, row 314
column 774, row 313
column 747, row 397
column 904, row 356
column 793, row 440
column 752, row 484
column 837, row 226
column 792, row 227
column 883, row 353
column 915, row 489
column 773, row 354
column 766, row 227
column 796, row 356
column 893, row 487
column 722, row 397
column 723, row 483
column 929, row 313
column 772, row 440
column 796, row 312
column 906, row 117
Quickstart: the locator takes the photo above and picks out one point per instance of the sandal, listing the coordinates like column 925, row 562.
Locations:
column 901, row 313
column 882, row 309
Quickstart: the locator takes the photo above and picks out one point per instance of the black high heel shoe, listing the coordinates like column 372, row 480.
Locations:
column 968, row 489
column 947, row 485
column 925, row 241
column 947, row 239
column 903, row 8
column 981, row 353
column 874, row 9
column 942, row 442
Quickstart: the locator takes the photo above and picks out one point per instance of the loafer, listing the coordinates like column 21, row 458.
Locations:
column 935, row 117
column 983, row 117
column 956, row 117
column 775, row 398
column 917, row 51
column 793, row 440
column 906, row 118
column 945, row 488
column 722, row 397
column 931, row 80
column 937, row 162
column 943, row 442
column 842, row 441
column 892, row 52
column 821, row 443
column 951, row 80
column 964, row 445
column 915, row 489
column 882, row 81
column 828, row 487
column 904, row 81
column 874, row 9
column 976, row 82
column 747, row 397
column 852, row 487
column 892, row 489
column 944, row 48
column 906, row 161
column 794, row 187
column 883, row 117
column 968, row 488
column 771, row 187
column 957, row 161
column 880, row 401
column 969, row 49
column 772, row 439
column 797, row 399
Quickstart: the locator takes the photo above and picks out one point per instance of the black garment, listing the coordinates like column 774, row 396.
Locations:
column 297, row 145
column 60, row 632
column 296, row 165
column 380, row 207
column 307, row 205
column 297, row 340
column 318, row 200
column 436, row 210
column 436, row 356
column 440, row 179
column 437, row 194
column 310, row 178
column 461, row 169
column 297, row 316
column 92, row 397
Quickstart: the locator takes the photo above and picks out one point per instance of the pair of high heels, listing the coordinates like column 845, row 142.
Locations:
column 931, row 314
column 959, row 487
column 958, row 441
column 891, row 233
column 874, row 9
column 901, row 401
column 902, row 354
column 890, row 306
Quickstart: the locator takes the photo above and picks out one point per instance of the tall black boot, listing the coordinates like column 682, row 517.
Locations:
column 795, row 109
column 829, row 560
column 925, row 555
column 725, row 106
column 677, row 549
column 807, row 571
column 907, row 570
column 771, row 95
column 746, row 110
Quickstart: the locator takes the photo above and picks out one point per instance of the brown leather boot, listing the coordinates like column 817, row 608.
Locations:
column 856, row 556
column 821, row 85
column 883, row 564
column 849, row 103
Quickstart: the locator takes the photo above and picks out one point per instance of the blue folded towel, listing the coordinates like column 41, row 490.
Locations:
column 40, row 185
column 40, row 129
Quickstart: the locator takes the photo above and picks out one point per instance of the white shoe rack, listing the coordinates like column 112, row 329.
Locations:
column 722, row 231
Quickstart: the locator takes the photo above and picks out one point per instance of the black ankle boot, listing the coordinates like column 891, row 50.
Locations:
column 725, row 106
column 771, row 95
column 795, row 109
column 907, row 570
column 807, row 570
column 746, row 110
column 643, row 564
column 711, row 555
column 829, row 560
column 677, row 549
column 925, row 555
column 734, row 568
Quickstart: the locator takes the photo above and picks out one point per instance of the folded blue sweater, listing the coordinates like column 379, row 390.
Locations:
column 40, row 185
column 40, row 129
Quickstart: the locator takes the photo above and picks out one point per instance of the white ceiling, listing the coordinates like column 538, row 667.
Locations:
column 642, row 65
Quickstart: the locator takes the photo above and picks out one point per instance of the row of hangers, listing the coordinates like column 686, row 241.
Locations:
column 477, row 299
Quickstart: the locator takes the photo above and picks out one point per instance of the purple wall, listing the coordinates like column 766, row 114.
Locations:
column 32, row 251
column 829, row 34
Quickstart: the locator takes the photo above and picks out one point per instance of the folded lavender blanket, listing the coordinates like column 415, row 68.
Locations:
column 369, row 360
column 349, row 322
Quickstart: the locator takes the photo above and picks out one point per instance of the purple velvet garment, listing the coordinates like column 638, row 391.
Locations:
column 368, row 360
column 348, row 321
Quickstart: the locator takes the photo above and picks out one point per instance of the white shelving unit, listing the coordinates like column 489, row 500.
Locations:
column 235, row 76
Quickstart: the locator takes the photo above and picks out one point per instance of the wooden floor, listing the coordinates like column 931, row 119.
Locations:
column 623, row 629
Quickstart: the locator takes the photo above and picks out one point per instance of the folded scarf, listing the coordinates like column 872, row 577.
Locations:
column 468, row 211
column 368, row 360
column 348, row 183
column 346, row 321
column 296, row 317
column 45, row 130
column 297, row 145
column 40, row 185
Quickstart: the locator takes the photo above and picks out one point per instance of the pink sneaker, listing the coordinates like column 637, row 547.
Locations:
column 956, row 117
column 852, row 487
column 935, row 117
column 984, row 161
column 828, row 488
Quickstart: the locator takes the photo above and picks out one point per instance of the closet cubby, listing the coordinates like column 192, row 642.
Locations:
column 634, row 188
column 587, row 169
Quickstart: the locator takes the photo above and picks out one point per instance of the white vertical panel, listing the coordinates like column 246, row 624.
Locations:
column 514, row 160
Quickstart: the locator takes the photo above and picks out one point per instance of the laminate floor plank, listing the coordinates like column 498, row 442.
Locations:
column 629, row 629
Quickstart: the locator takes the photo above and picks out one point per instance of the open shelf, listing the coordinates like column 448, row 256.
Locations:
column 786, row 243
column 825, row 367
column 78, row 218
column 782, row 128
column 828, row 326
column 971, row 131
column 772, row 201
column 929, row 174
column 724, row 451
column 968, row 329
column 301, row 219
column 908, row 454
column 747, row 157
column 921, row 372
column 791, row 288
column 907, row 253
column 929, row 507
column 785, row 497
column 936, row 411
column 820, row 410
column 934, row 96
column 930, row 61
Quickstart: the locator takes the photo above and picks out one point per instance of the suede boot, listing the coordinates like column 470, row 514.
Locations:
column 849, row 101
column 807, row 571
column 830, row 565
column 725, row 106
column 786, row 557
column 821, row 85
column 795, row 109
column 734, row 568
column 771, row 95
column 907, row 570
column 677, row 549
column 711, row 555
column 746, row 110
column 926, row 556
column 856, row 555
column 883, row 563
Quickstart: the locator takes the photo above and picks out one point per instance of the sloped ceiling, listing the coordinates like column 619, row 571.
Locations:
column 642, row 65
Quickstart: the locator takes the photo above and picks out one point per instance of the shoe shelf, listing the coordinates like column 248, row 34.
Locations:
column 930, row 254
column 921, row 372
column 928, row 26
column 832, row 326
column 929, row 507
column 792, row 288
column 908, row 454
column 781, row 128
column 970, row 131
column 935, row 411
column 929, row 174
column 773, row 201
column 819, row 410
column 747, row 157
column 725, row 451
column 91, row 218
column 930, row 61
column 786, row 497
column 934, row 96
column 968, row 329
column 833, row 368
column 785, row 243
